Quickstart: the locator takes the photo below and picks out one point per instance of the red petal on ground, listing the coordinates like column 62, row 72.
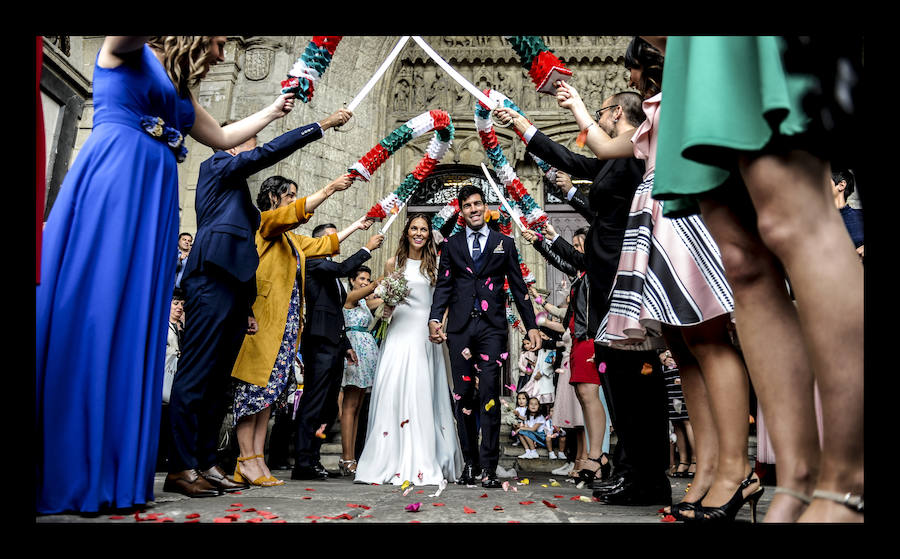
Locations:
column 483, row 496
column 117, row 518
column 498, row 507
column 237, row 504
column 668, row 518
column 467, row 510
column 307, row 498
column 254, row 520
column 526, row 502
column 233, row 509
column 222, row 520
column 313, row 517
column 192, row 515
column 191, row 521
column 251, row 509
column 310, row 489
column 282, row 522
column 549, row 504
column 438, row 504
column 557, row 496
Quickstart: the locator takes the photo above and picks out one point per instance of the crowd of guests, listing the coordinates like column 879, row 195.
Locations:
column 704, row 262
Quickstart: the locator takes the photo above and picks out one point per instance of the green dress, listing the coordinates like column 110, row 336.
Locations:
column 722, row 95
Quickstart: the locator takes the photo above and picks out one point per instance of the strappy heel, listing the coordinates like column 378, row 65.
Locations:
column 348, row 467
column 677, row 473
column 273, row 481
column 849, row 500
column 586, row 476
column 728, row 511
column 239, row 477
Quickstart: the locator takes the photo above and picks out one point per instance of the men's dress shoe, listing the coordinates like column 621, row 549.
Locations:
column 489, row 480
column 190, row 483
column 322, row 470
column 216, row 477
column 468, row 475
column 607, row 485
column 307, row 472
column 638, row 493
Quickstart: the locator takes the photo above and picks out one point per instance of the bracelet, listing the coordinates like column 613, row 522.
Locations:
column 588, row 126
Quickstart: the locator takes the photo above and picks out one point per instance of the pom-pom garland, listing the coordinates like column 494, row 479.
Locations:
column 310, row 66
column 542, row 65
column 440, row 122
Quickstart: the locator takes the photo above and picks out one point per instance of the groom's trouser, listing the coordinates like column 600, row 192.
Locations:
column 482, row 340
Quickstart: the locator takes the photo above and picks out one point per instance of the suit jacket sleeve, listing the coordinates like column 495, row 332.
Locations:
column 580, row 204
column 250, row 162
column 329, row 268
column 555, row 260
column 566, row 161
column 518, row 288
column 444, row 286
column 567, row 253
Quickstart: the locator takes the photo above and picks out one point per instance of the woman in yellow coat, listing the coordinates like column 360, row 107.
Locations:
column 264, row 367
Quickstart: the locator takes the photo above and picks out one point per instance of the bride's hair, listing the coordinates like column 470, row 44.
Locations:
column 184, row 57
column 428, row 267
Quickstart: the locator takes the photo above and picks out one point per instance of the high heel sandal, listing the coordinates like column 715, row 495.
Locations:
column 689, row 473
column 348, row 467
column 729, row 510
column 273, row 481
column 677, row 473
column 677, row 509
column 239, row 475
column 586, row 476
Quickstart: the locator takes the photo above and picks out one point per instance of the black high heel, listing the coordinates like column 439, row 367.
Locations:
column 677, row 473
column 729, row 510
column 684, row 506
column 586, row 477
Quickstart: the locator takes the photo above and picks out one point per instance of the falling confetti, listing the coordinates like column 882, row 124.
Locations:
column 455, row 397
column 504, row 355
column 466, row 353
column 385, row 433
column 602, row 367
column 511, row 387
column 485, row 357
column 467, row 412
column 466, row 378
column 489, row 405
column 646, row 369
column 484, row 305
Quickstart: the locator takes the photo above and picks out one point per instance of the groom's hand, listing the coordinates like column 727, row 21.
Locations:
column 435, row 333
column 534, row 339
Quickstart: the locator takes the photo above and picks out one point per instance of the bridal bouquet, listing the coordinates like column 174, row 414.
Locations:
column 393, row 290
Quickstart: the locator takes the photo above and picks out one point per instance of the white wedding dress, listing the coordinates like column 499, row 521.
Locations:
column 411, row 435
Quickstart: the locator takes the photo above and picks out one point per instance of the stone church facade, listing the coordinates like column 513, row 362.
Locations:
column 249, row 80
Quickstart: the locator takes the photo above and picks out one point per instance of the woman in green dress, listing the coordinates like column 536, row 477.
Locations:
column 763, row 188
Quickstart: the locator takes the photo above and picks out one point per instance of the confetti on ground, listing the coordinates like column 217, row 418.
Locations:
column 549, row 504
column 498, row 507
column 222, row 520
column 526, row 502
column 525, row 481
column 117, row 518
column 668, row 518
column 251, row 509
column 254, row 520
column 441, row 487
column 413, row 507
column 438, row 504
column 483, row 496
column 554, row 483
column 467, row 510
column 310, row 489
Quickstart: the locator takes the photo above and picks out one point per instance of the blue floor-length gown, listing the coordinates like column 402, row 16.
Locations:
column 107, row 274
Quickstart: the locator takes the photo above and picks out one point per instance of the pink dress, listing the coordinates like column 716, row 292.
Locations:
column 670, row 270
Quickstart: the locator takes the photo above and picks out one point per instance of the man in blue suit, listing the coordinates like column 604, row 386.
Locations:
column 220, row 287
column 473, row 266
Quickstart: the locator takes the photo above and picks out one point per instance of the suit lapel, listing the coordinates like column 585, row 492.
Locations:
column 464, row 247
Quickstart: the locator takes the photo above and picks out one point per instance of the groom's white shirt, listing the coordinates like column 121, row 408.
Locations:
column 470, row 238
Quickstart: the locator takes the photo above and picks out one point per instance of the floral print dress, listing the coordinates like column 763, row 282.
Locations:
column 249, row 398
column 363, row 342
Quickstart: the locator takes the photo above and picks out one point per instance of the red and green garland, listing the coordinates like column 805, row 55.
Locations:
column 310, row 66
column 542, row 65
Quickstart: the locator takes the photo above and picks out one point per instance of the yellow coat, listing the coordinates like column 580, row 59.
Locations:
column 274, row 281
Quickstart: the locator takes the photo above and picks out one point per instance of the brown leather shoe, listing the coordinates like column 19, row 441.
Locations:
column 190, row 483
column 217, row 478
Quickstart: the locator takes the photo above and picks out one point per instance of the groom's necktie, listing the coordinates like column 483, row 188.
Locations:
column 476, row 254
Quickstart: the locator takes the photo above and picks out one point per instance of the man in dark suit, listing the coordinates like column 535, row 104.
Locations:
column 637, row 402
column 473, row 267
column 324, row 345
column 220, row 287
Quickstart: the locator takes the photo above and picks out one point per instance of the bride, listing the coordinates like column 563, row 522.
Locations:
column 411, row 435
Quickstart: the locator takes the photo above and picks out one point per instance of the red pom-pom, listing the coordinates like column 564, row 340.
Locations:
column 488, row 138
column 441, row 119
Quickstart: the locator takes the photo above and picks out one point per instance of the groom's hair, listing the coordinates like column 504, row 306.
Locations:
column 468, row 190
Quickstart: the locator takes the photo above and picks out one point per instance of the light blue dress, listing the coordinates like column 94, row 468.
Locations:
column 102, row 306
column 363, row 342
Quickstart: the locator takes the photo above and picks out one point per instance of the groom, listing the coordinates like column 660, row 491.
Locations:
column 470, row 280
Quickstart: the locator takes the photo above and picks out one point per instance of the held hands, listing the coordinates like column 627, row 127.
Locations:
column 340, row 117
column 436, row 333
column 252, row 326
column 283, row 105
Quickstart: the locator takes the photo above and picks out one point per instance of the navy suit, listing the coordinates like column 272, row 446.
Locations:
column 477, row 328
column 220, row 287
column 324, row 344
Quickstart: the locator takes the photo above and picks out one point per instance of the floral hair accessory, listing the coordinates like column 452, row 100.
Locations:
column 311, row 65
column 156, row 128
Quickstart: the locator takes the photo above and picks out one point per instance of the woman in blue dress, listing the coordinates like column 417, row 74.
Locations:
column 107, row 275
